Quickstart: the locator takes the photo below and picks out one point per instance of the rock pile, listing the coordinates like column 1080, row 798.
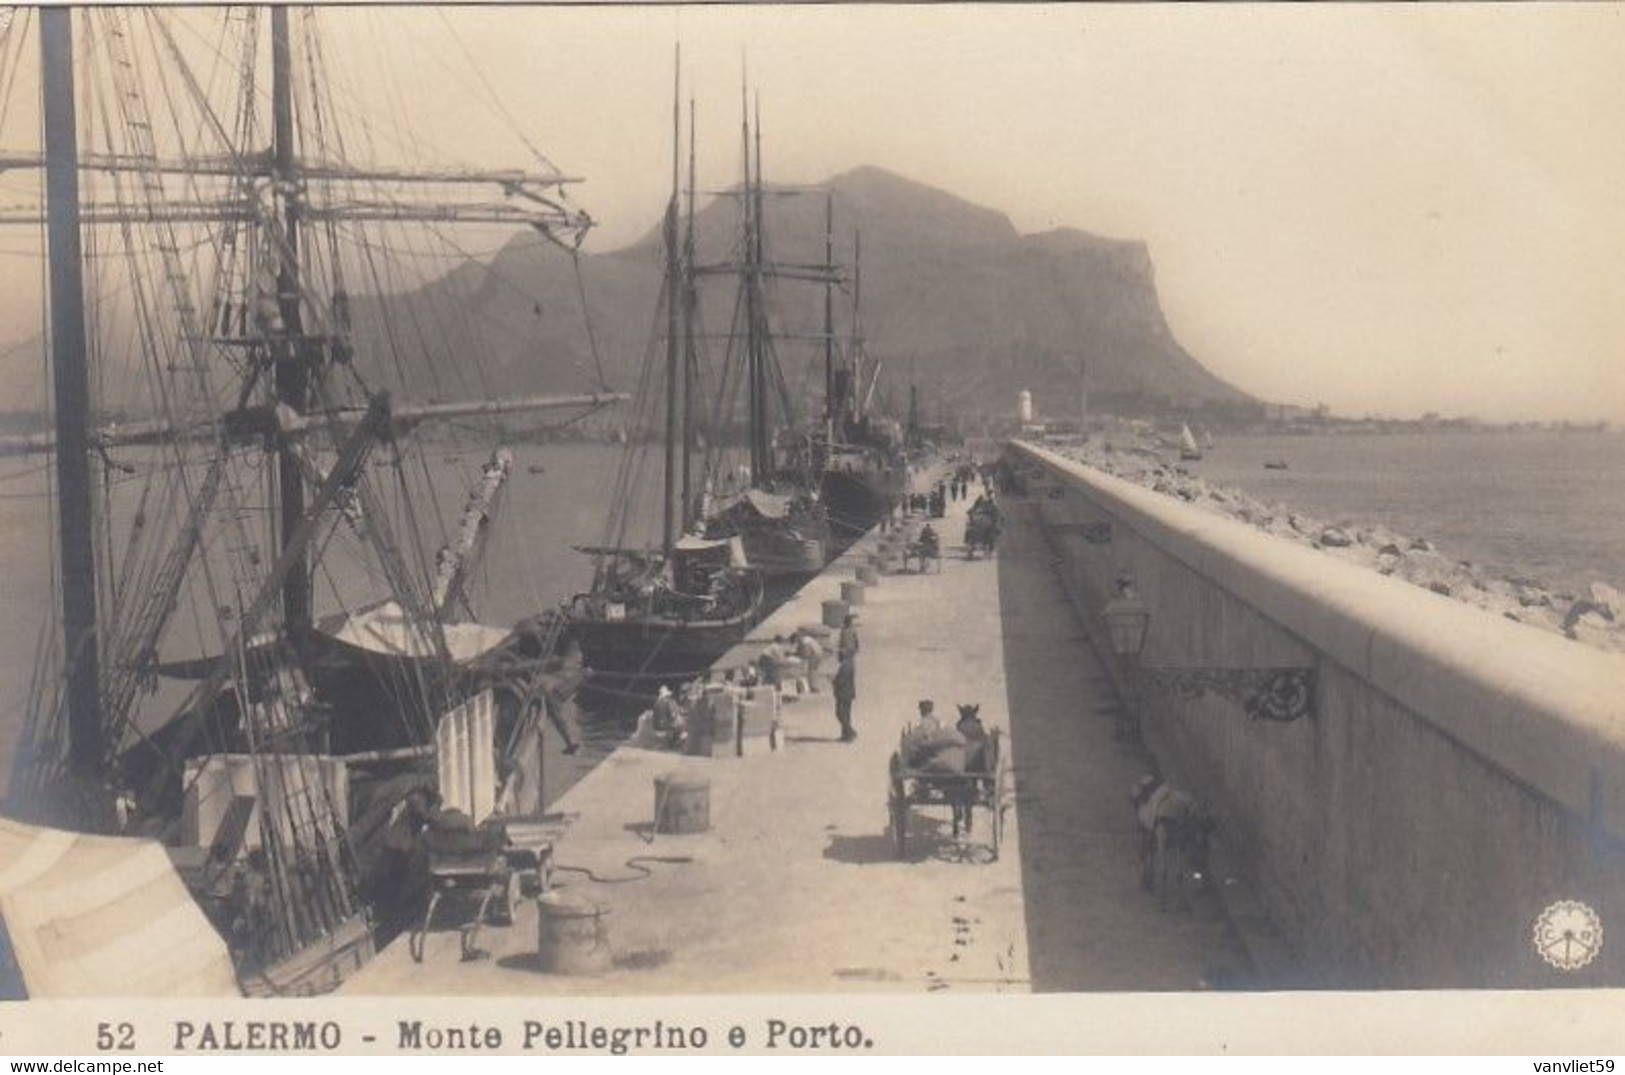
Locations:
column 1596, row 617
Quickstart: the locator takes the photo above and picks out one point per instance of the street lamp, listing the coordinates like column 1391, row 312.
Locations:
column 1275, row 693
column 1127, row 619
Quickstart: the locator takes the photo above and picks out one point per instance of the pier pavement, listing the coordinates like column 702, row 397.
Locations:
column 796, row 887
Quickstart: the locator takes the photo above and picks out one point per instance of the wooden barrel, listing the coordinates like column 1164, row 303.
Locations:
column 682, row 804
column 869, row 575
column 852, row 592
column 572, row 935
column 834, row 613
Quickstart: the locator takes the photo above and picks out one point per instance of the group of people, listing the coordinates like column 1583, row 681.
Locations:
column 929, row 749
column 789, row 663
column 929, row 746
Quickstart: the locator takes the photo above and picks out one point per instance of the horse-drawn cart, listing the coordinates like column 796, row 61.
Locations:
column 924, row 551
column 981, row 531
column 980, row 785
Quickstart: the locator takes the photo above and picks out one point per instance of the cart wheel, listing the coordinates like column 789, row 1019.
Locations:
column 999, row 771
column 415, row 942
column 997, row 805
column 507, row 900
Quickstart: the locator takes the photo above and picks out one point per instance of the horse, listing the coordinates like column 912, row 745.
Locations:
column 976, row 761
column 925, row 549
column 1175, row 833
column 981, row 532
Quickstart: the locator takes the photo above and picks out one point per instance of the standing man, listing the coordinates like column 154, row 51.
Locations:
column 846, row 673
column 847, row 647
column 846, row 689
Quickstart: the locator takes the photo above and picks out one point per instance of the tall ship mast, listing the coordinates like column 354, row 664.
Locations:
column 771, row 503
column 666, row 612
column 864, row 470
column 219, row 254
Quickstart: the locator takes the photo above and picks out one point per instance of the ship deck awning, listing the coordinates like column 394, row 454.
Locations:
column 767, row 505
column 93, row 916
column 387, row 630
column 693, row 545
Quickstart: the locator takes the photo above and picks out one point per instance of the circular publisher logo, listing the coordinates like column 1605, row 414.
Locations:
column 1568, row 935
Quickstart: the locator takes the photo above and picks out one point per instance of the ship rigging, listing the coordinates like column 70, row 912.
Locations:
column 202, row 266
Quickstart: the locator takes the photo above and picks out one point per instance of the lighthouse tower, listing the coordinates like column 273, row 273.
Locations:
column 1024, row 407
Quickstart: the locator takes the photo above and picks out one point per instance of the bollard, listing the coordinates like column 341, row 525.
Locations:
column 682, row 804
column 834, row 613
column 572, row 935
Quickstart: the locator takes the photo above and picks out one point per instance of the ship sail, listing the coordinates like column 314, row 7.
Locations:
column 1188, row 448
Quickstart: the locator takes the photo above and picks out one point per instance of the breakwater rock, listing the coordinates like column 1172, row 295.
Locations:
column 1595, row 617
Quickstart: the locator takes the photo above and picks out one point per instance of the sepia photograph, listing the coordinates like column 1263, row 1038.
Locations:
column 512, row 501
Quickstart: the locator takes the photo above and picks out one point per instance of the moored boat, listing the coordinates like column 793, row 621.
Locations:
column 261, row 457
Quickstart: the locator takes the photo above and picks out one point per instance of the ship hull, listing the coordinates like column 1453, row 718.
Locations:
column 655, row 650
column 785, row 560
column 857, row 498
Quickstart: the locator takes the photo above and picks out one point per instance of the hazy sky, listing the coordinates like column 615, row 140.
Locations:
column 1390, row 209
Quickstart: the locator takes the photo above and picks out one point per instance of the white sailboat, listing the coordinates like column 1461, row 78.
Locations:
column 1188, row 448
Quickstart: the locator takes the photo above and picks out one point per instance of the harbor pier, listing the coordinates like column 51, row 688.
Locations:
column 1427, row 795
column 1407, row 791
column 796, row 887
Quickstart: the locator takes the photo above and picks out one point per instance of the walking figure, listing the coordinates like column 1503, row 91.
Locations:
column 847, row 647
column 846, row 689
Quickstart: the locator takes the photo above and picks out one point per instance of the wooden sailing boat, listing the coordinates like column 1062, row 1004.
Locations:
column 666, row 613
column 778, row 514
column 257, row 390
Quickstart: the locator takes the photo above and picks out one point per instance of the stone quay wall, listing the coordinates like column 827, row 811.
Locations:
column 1458, row 773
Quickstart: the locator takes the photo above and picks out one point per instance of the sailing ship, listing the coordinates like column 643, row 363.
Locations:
column 778, row 514
column 667, row 613
column 234, row 277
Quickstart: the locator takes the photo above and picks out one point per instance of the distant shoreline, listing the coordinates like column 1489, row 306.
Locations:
column 1372, row 507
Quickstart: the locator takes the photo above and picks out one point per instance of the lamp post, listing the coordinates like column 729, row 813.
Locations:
column 1279, row 693
column 1127, row 619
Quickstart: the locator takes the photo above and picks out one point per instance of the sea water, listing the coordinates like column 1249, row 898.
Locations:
column 1546, row 505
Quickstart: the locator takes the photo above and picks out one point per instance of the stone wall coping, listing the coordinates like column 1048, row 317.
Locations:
column 1545, row 709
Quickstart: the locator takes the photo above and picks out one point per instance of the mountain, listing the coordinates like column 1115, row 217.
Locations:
column 955, row 299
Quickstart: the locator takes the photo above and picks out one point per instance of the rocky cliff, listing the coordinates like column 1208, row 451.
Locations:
column 953, row 297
